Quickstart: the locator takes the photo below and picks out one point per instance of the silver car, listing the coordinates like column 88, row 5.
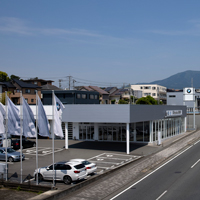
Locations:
column 91, row 167
column 12, row 155
column 64, row 171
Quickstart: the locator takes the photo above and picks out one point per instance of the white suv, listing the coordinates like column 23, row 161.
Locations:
column 64, row 171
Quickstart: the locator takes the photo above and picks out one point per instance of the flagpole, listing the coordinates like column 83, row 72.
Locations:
column 21, row 125
column 6, row 135
column 36, row 136
column 52, row 134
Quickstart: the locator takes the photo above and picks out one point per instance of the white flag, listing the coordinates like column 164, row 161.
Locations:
column 58, row 108
column 28, row 121
column 43, row 123
column 2, row 118
column 13, row 119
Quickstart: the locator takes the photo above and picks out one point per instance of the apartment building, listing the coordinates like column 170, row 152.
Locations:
column 158, row 92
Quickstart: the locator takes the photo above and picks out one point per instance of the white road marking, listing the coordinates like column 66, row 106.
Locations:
column 102, row 167
column 100, row 159
column 196, row 142
column 150, row 174
column 42, row 151
column 161, row 195
column 105, row 162
column 114, row 158
column 29, row 180
column 195, row 163
column 96, row 156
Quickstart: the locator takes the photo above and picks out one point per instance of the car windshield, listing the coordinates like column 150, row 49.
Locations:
column 79, row 166
column 10, row 150
column 86, row 162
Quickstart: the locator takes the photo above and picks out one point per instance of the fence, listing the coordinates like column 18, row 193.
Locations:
column 28, row 183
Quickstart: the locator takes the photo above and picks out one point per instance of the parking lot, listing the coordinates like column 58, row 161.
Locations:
column 106, row 156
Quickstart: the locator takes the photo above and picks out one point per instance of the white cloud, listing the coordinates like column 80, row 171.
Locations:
column 14, row 25
column 191, row 31
column 20, row 27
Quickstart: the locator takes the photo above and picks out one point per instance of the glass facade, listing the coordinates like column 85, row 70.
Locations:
column 146, row 131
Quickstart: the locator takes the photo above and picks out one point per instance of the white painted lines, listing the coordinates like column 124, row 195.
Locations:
column 162, row 195
column 29, row 180
column 42, row 151
column 196, row 142
column 108, row 161
column 195, row 163
column 149, row 174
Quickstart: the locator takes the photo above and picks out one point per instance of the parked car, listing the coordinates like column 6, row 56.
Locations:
column 25, row 143
column 91, row 167
column 12, row 155
column 64, row 171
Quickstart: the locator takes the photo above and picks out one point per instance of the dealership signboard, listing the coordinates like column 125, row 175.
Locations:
column 189, row 94
column 173, row 113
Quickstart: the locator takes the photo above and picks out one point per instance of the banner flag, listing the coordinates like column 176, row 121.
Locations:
column 28, row 120
column 2, row 118
column 13, row 119
column 43, row 123
column 58, row 108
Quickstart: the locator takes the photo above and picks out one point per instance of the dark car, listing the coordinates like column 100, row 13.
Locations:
column 25, row 143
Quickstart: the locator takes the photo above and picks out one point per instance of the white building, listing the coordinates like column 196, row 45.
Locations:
column 120, row 123
column 158, row 92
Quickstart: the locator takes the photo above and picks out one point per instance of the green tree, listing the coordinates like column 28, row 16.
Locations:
column 143, row 100
column 147, row 100
column 113, row 101
column 14, row 77
column 122, row 101
column 3, row 76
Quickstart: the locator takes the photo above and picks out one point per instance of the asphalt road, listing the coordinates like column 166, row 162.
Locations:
column 177, row 180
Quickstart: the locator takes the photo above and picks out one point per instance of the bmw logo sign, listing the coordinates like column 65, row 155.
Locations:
column 58, row 106
column 189, row 91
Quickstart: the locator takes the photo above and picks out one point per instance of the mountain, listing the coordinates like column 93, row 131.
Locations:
column 181, row 80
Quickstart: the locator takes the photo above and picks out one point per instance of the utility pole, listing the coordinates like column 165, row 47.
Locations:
column 74, row 84
column 69, row 77
column 60, row 85
column 130, row 92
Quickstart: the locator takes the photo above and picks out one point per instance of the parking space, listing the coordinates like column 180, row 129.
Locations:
column 108, row 161
column 106, row 156
column 42, row 151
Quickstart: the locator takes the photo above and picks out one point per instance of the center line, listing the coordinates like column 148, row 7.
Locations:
column 195, row 163
column 161, row 195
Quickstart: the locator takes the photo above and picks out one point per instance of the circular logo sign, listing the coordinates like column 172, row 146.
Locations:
column 58, row 106
column 189, row 91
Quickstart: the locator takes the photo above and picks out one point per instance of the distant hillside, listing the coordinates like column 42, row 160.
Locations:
column 181, row 80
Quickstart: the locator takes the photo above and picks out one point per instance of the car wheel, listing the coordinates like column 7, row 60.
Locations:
column 67, row 180
column 40, row 177
column 34, row 145
column 10, row 159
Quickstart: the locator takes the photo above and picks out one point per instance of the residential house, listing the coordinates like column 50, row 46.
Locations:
column 103, row 95
column 38, row 82
column 14, row 88
column 118, row 94
column 71, row 97
column 158, row 92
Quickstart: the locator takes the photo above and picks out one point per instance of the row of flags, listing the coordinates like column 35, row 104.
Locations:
column 14, row 117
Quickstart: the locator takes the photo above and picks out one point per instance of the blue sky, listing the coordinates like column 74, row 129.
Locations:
column 104, row 42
